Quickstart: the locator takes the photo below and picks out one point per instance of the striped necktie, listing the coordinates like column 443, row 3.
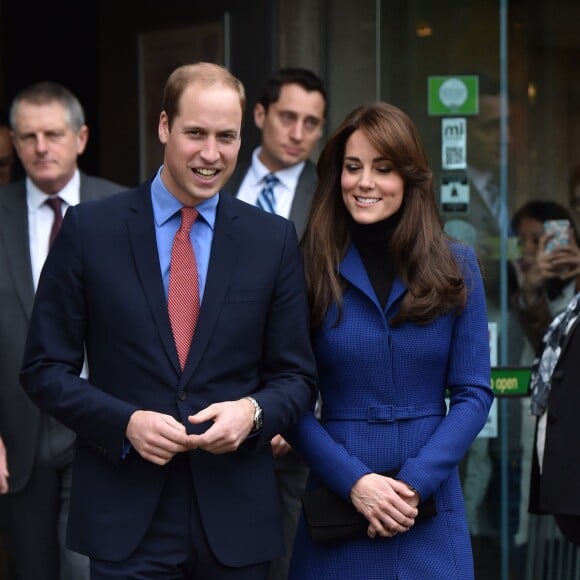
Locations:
column 266, row 199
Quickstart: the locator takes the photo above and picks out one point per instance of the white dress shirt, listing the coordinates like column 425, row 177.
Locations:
column 284, row 190
column 41, row 217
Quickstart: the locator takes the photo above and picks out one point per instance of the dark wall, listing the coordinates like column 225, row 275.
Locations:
column 251, row 61
column 92, row 47
column 40, row 42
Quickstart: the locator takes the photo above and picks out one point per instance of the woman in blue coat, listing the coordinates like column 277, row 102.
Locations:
column 399, row 327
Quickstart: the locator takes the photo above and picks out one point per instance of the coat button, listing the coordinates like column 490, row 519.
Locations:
column 182, row 395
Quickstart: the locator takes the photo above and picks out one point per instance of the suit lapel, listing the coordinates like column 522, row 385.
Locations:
column 86, row 191
column 221, row 265
column 352, row 269
column 14, row 236
column 235, row 181
column 303, row 197
column 141, row 231
column 397, row 292
column 143, row 242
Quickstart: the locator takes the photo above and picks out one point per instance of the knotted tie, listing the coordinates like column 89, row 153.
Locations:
column 183, row 293
column 55, row 203
column 266, row 199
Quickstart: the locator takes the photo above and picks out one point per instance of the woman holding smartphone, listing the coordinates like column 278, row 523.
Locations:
column 548, row 270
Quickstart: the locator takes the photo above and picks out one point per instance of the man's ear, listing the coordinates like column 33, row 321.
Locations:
column 163, row 129
column 259, row 115
column 82, row 138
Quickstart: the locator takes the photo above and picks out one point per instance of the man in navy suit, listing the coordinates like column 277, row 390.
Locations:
column 290, row 114
column 173, row 475
column 49, row 133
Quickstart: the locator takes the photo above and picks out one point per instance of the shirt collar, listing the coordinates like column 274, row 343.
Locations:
column 288, row 176
column 70, row 193
column 166, row 205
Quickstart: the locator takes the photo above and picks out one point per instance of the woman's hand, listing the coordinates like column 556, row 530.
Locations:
column 388, row 504
column 562, row 262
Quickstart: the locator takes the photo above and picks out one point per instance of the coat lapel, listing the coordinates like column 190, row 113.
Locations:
column 235, row 181
column 221, row 265
column 86, row 190
column 14, row 236
column 303, row 197
column 141, row 229
column 352, row 269
column 397, row 291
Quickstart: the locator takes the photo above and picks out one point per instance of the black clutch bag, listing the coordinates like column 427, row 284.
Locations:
column 330, row 518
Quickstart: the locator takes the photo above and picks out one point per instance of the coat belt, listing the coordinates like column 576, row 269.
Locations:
column 381, row 413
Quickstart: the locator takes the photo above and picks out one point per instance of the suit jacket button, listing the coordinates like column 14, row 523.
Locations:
column 182, row 395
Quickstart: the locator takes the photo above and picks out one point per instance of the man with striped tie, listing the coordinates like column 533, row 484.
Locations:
column 290, row 114
column 281, row 179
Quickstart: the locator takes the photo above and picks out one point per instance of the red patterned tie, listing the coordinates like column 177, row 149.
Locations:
column 55, row 203
column 183, row 294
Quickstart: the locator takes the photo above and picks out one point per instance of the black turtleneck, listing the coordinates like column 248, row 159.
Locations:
column 372, row 243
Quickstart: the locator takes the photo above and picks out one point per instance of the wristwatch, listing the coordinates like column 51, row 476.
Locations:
column 258, row 414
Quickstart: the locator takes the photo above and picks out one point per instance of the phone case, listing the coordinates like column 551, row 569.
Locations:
column 560, row 230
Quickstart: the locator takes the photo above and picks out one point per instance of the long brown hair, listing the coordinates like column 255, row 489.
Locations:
column 419, row 248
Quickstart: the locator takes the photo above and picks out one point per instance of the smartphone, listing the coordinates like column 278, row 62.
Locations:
column 560, row 229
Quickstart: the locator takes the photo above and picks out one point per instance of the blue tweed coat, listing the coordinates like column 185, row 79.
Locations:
column 383, row 392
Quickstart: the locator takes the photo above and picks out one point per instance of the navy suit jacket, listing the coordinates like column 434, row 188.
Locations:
column 302, row 196
column 19, row 417
column 102, row 286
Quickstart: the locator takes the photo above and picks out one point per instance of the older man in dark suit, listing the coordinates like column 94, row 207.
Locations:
column 49, row 134
column 290, row 114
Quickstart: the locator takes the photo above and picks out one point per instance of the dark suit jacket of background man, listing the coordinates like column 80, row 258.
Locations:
column 19, row 417
column 251, row 339
column 302, row 197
